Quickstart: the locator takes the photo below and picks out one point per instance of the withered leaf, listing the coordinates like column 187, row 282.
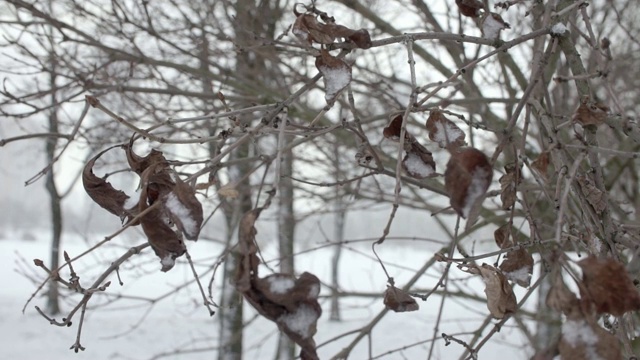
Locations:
column 607, row 285
column 508, row 185
column 560, row 297
column 584, row 339
column 500, row 297
column 184, row 209
column 399, row 301
column 418, row 162
column 594, row 196
column 502, row 235
column 336, row 73
column 590, row 112
column 165, row 242
column 309, row 29
column 541, row 164
column 466, row 179
column 470, row 8
column 393, row 130
column 103, row 193
column 140, row 164
column 518, row 267
column 292, row 303
column 444, row 131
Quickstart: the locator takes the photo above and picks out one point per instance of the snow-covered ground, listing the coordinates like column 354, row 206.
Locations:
column 178, row 326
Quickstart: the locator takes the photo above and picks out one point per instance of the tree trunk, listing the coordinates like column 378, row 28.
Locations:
column 286, row 233
column 53, row 301
column 339, row 215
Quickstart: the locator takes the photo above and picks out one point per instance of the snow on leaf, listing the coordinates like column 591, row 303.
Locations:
column 279, row 283
column 518, row 266
column 336, row 73
column 418, row 161
column 492, row 25
column 414, row 164
column 607, row 285
column 184, row 209
column 467, row 178
column 583, row 339
column 292, row 303
column 444, row 131
column 302, row 321
column 399, row 301
column 501, row 300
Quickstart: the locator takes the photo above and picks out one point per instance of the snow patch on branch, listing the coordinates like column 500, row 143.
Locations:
column 558, row 29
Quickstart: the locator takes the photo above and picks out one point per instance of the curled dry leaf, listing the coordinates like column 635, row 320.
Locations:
column 292, row 303
column 503, row 234
column 307, row 28
column 541, row 165
column 560, row 297
column 470, row 8
column 492, row 24
column 171, row 205
column 418, row 162
column 584, row 339
column 399, row 301
column 103, row 193
column 336, row 73
column 466, row 179
column 508, row 185
column 500, row 297
column 594, row 196
column 607, row 285
column 590, row 112
column 518, row 266
column 228, row 191
column 444, row 131
column 393, row 130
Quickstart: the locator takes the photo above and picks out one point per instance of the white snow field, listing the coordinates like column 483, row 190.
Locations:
column 177, row 326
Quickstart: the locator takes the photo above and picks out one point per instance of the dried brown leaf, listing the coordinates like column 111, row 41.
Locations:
column 309, row 29
column 500, row 297
column 103, row 193
column 393, row 130
column 336, row 73
column 508, row 185
column 607, row 285
column 466, row 179
column 289, row 302
column 399, row 301
column 165, row 241
column 470, row 8
column 518, row 267
column 184, row 209
column 541, row 165
column 502, row 235
column 418, row 162
column 594, row 196
column 560, row 297
column 590, row 112
column 444, row 131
